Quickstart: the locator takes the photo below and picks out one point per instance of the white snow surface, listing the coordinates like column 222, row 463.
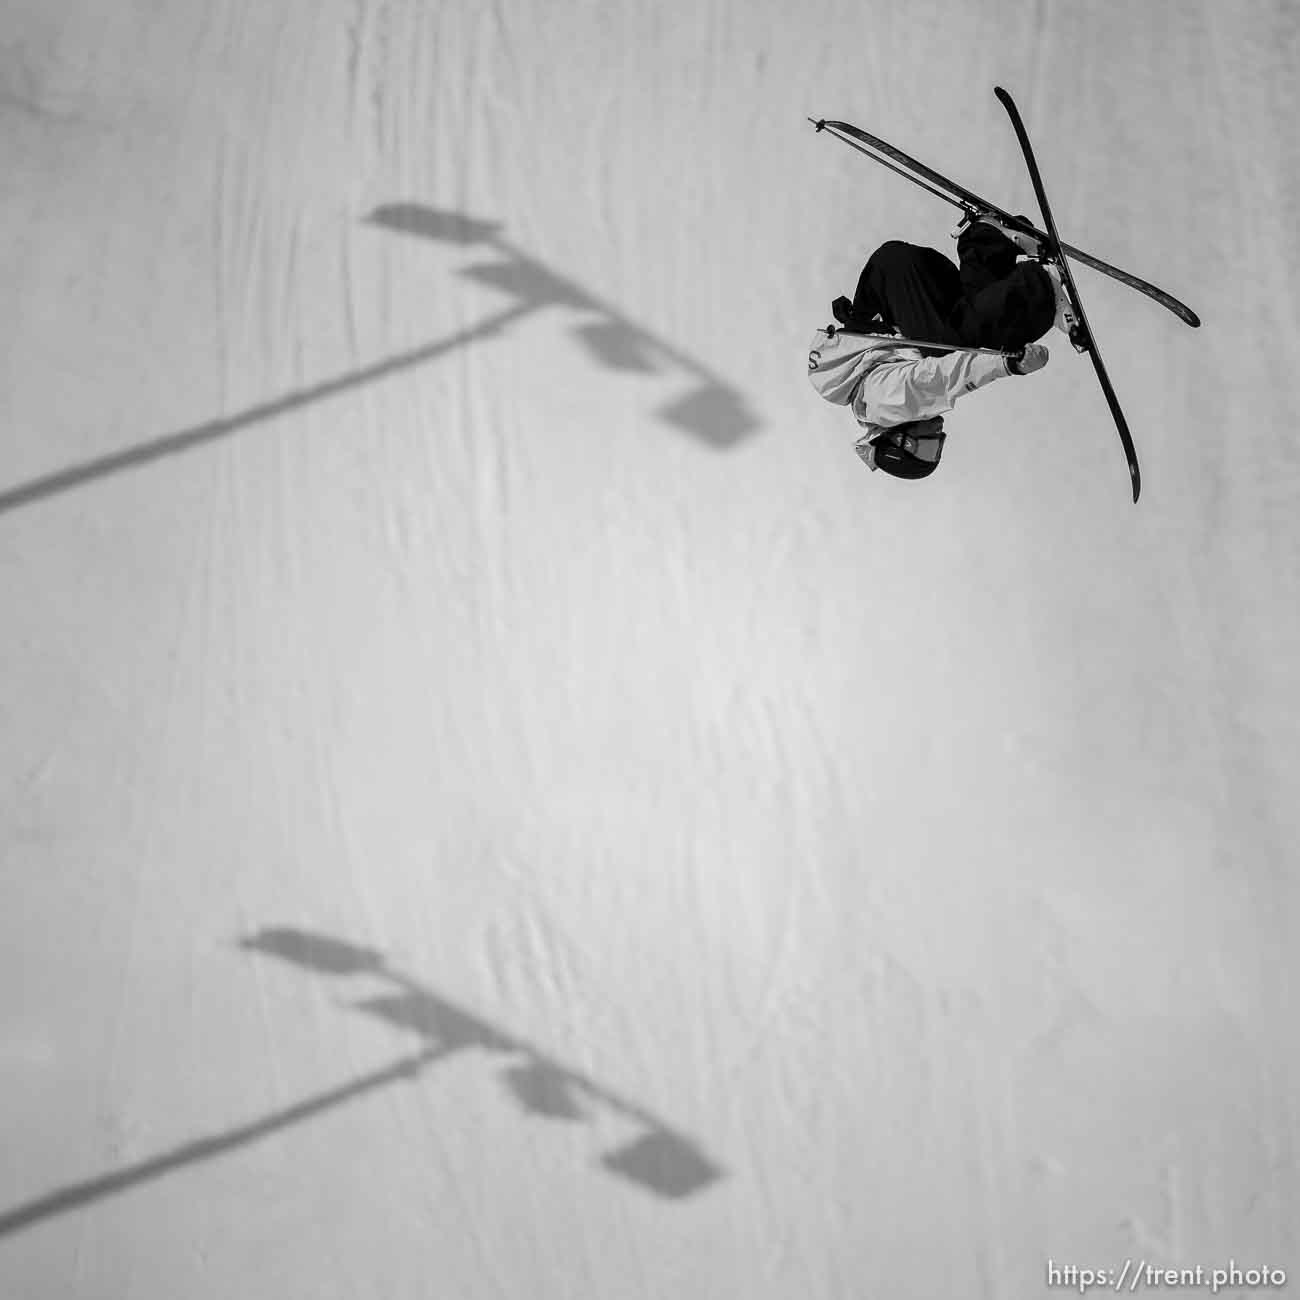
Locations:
column 495, row 800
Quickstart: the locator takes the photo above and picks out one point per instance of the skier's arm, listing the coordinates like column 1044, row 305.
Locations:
column 908, row 389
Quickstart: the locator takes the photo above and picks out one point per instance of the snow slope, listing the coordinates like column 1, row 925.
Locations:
column 495, row 800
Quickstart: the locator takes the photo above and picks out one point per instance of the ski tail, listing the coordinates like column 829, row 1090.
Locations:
column 906, row 167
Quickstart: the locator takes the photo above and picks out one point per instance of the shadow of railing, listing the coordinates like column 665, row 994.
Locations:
column 710, row 410
column 660, row 1160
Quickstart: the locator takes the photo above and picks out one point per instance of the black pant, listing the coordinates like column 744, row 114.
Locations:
column 991, row 302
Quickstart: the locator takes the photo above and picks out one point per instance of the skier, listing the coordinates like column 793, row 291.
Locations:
column 899, row 392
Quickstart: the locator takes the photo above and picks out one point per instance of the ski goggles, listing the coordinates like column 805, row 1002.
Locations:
column 902, row 451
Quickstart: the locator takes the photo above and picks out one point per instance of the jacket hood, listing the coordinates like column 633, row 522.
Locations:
column 838, row 360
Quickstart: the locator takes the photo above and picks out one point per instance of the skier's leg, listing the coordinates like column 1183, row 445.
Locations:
column 913, row 289
column 1012, row 312
column 1005, row 304
column 986, row 256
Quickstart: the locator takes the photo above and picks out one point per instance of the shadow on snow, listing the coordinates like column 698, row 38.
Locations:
column 657, row 1158
column 709, row 409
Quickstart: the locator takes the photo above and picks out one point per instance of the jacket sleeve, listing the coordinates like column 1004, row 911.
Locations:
column 915, row 389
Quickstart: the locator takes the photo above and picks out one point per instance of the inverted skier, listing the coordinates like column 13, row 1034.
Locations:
column 900, row 393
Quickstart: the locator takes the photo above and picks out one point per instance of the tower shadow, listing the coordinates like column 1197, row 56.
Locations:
column 709, row 409
column 658, row 1159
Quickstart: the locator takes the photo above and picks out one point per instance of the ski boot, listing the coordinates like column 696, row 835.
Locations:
column 1028, row 244
column 1066, row 321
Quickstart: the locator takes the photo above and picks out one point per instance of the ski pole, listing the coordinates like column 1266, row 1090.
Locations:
column 1014, row 355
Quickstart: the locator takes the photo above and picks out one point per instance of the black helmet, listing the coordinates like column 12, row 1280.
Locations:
column 910, row 450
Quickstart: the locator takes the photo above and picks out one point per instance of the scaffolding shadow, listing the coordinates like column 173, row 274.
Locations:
column 709, row 409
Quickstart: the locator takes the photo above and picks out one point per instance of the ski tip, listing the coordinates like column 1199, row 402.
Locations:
column 1137, row 483
column 819, row 123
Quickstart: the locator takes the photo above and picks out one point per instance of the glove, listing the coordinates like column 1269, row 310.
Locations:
column 1030, row 358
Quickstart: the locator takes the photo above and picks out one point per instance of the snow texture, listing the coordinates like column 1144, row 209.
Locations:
column 495, row 801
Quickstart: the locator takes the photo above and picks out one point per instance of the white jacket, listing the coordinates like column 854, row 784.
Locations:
column 886, row 383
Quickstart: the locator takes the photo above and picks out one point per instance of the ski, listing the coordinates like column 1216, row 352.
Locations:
column 1082, row 335
column 971, row 203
